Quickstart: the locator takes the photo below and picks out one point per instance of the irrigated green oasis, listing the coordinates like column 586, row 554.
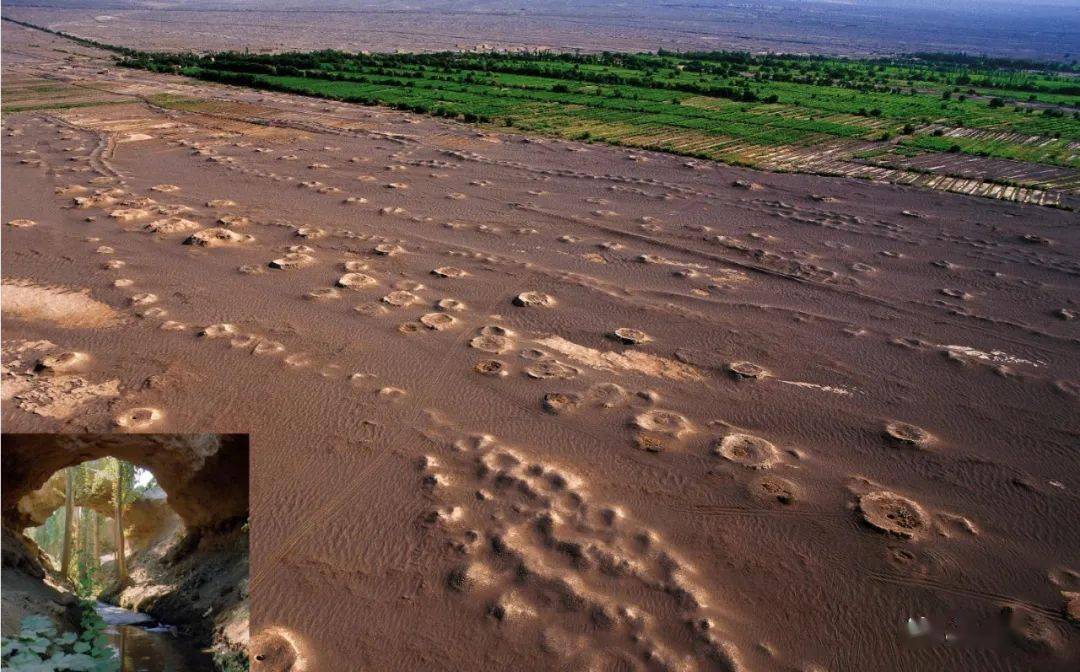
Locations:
column 780, row 112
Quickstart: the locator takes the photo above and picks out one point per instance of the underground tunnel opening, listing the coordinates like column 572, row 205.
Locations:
column 140, row 540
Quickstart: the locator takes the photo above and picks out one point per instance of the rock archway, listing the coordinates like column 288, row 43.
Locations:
column 146, row 519
column 204, row 476
column 189, row 559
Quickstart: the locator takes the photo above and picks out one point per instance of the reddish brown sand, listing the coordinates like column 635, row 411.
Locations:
column 446, row 480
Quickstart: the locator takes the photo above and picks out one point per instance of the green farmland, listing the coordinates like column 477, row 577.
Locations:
column 777, row 112
column 725, row 106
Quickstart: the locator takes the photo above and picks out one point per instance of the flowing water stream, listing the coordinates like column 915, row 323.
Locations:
column 144, row 645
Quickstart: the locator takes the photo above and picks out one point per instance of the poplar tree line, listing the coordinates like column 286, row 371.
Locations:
column 77, row 534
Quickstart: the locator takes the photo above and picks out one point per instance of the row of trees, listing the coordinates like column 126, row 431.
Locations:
column 729, row 75
column 78, row 534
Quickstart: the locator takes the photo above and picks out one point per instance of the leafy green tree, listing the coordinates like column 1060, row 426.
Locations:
column 123, row 494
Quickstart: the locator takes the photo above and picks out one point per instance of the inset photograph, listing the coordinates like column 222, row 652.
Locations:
column 125, row 552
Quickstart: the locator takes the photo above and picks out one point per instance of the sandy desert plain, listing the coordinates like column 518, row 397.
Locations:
column 524, row 403
column 1045, row 29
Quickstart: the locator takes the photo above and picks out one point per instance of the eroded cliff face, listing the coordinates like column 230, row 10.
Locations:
column 29, row 588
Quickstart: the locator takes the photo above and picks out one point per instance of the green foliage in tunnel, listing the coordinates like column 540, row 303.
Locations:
column 40, row 648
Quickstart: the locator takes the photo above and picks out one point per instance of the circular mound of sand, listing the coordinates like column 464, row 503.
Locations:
column 747, row 450
column 490, row 343
column 276, row 650
column 137, row 418
column 664, row 422
column 450, row 305
column 170, row 225
column 893, row 513
column 773, row 488
column 310, row 232
column 356, row 281
column 221, row 330
column 388, row 250
column 152, row 312
column 561, row 402
column 1072, row 606
column 218, row 237
column 438, row 321
column 266, row 347
column 551, row 368
column 747, row 370
column 902, row 432
column 530, row 299
column 234, row 221
column 400, row 298
column 631, row 336
column 607, row 395
column 144, row 299
column 292, row 260
column 491, row 367
column 469, row 577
